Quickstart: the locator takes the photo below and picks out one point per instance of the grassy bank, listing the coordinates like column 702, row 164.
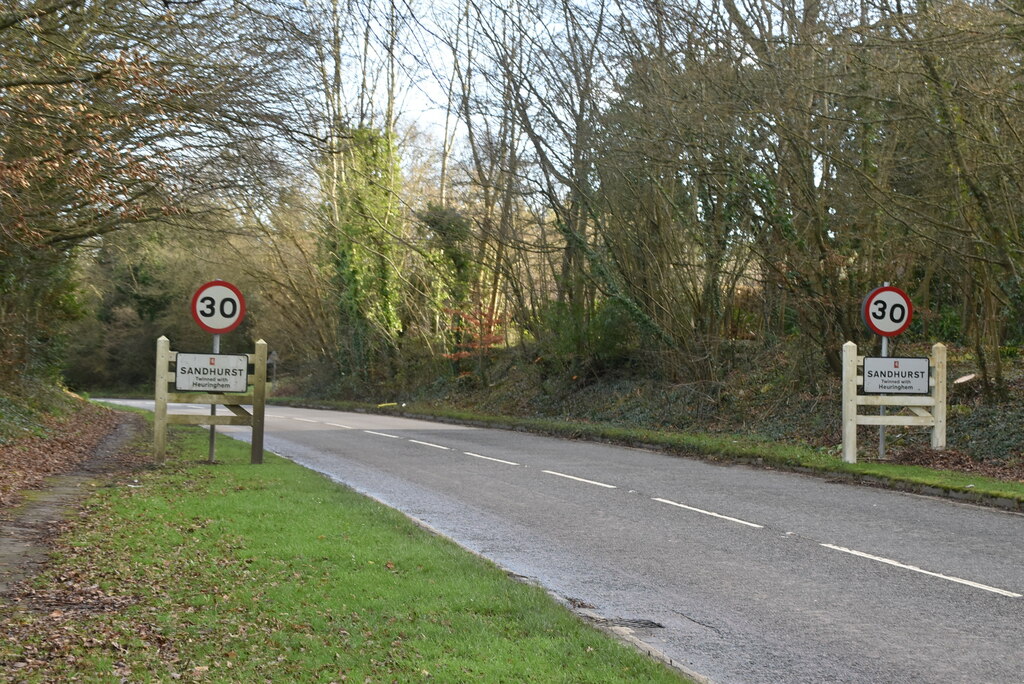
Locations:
column 243, row 573
column 29, row 407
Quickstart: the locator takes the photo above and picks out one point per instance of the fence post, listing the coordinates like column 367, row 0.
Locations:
column 163, row 359
column 850, row 402
column 259, row 401
column 939, row 395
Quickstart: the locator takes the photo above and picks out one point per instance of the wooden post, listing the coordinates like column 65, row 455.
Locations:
column 163, row 359
column 850, row 402
column 939, row 394
column 259, row 400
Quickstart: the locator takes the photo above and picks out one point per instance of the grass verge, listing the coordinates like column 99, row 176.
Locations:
column 741, row 448
column 242, row 573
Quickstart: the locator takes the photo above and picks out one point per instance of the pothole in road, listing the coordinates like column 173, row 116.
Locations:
column 586, row 609
column 632, row 623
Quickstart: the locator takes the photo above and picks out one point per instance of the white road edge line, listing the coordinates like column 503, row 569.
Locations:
column 580, row 479
column 914, row 568
column 380, row 434
column 436, row 446
column 712, row 514
column 339, row 425
column 489, row 458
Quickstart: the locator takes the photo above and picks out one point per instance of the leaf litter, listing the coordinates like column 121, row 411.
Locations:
column 42, row 478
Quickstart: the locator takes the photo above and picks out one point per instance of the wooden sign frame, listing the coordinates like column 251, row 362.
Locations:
column 256, row 396
column 928, row 410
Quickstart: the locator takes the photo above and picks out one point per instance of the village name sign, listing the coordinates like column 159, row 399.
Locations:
column 913, row 385
column 211, row 372
column 212, row 378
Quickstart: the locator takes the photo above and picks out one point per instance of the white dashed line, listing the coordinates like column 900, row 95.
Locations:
column 914, row 568
column 489, row 458
column 380, row 434
column 306, row 420
column 712, row 514
column 436, row 446
column 339, row 425
column 580, row 479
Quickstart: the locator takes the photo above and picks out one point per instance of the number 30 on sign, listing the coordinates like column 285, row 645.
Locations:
column 887, row 311
column 218, row 307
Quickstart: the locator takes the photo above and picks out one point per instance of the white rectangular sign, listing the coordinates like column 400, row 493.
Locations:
column 892, row 375
column 211, row 373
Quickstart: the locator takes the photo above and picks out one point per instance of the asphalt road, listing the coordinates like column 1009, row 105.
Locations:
column 735, row 573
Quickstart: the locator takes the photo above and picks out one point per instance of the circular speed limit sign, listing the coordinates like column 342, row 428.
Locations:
column 887, row 311
column 218, row 307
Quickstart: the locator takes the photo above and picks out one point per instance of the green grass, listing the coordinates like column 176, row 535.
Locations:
column 241, row 573
column 742, row 448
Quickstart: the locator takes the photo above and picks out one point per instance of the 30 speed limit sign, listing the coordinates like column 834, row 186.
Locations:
column 887, row 311
column 218, row 307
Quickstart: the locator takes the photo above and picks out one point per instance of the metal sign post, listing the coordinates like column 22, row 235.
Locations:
column 212, row 458
column 218, row 307
column 881, row 409
column 887, row 312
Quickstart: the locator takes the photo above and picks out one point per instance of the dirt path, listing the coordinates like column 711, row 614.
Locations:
column 27, row 527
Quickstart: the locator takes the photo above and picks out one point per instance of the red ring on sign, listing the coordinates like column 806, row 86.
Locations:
column 870, row 300
column 238, row 317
